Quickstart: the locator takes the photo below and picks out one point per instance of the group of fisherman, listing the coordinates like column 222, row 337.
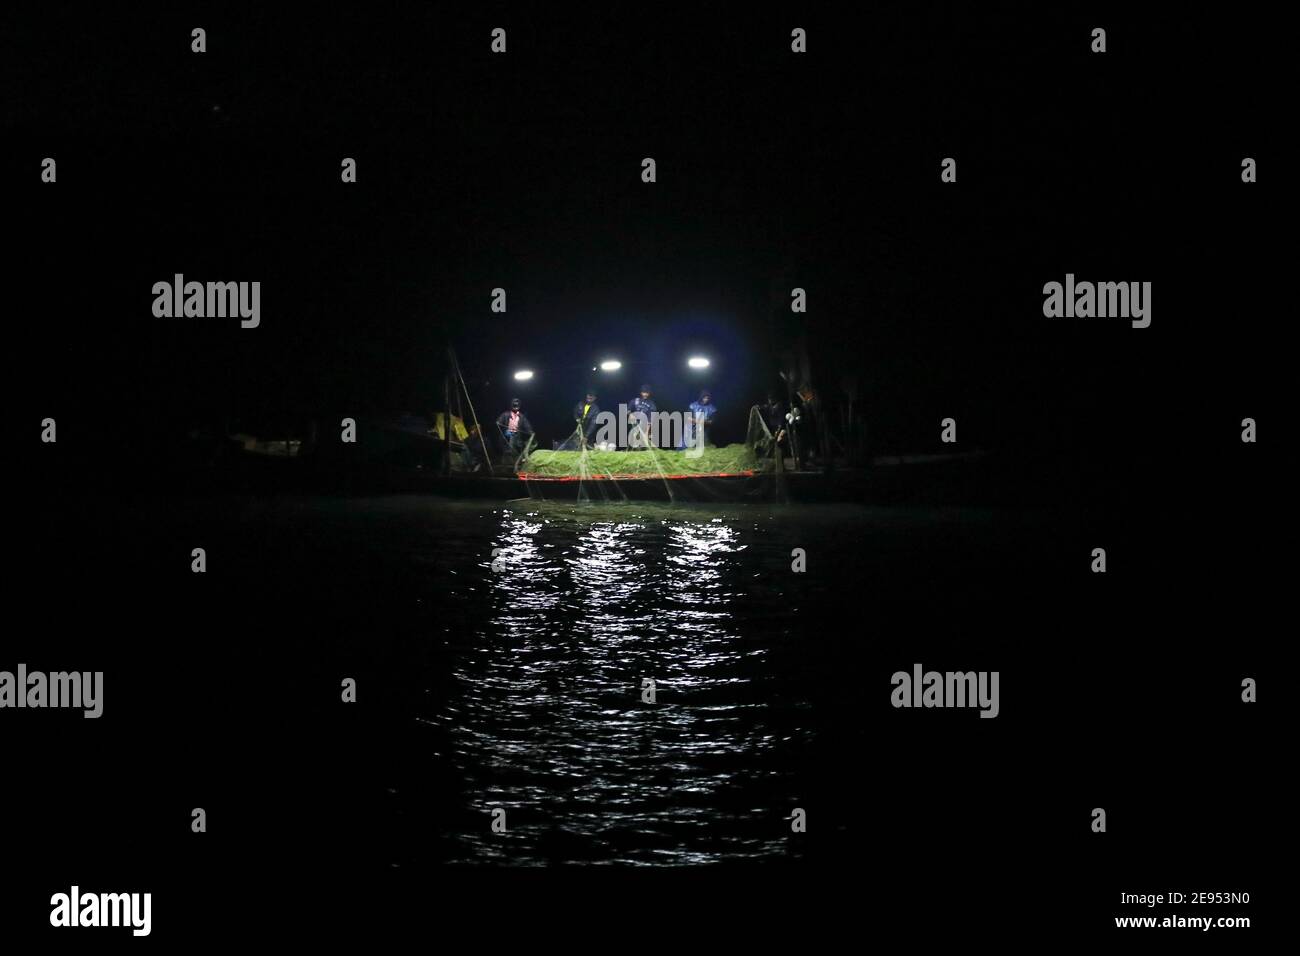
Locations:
column 515, row 429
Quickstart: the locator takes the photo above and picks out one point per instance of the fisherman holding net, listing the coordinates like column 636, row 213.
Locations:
column 515, row 427
column 640, row 410
column 699, row 423
column 586, row 415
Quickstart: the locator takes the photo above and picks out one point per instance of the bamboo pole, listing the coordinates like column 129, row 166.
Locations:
column 446, row 424
column 478, row 427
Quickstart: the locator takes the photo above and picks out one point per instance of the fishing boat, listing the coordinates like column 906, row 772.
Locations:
column 446, row 453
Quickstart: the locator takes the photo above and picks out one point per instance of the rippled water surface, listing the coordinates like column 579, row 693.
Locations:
column 502, row 654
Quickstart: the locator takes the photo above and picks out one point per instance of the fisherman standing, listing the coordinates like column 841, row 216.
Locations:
column 585, row 414
column 515, row 427
column 701, row 419
column 773, row 413
column 806, row 424
column 640, row 412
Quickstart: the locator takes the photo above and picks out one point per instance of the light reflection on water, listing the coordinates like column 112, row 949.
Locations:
column 544, row 711
column 520, row 687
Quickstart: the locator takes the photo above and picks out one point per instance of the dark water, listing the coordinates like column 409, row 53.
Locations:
column 520, row 686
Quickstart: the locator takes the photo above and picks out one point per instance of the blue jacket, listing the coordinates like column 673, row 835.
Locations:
column 706, row 412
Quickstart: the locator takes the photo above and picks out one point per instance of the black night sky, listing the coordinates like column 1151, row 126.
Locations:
column 522, row 172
